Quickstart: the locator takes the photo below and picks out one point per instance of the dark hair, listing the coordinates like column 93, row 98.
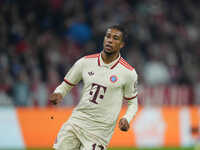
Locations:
column 122, row 29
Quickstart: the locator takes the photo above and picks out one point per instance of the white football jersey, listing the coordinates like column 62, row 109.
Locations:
column 105, row 87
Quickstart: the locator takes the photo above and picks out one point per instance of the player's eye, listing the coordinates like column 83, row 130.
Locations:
column 108, row 35
column 116, row 37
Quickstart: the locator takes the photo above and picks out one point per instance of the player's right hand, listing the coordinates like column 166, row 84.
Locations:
column 55, row 98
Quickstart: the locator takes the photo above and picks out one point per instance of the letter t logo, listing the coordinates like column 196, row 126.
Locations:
column 94, row 91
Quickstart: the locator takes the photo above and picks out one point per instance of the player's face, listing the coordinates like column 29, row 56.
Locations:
column 113, row 41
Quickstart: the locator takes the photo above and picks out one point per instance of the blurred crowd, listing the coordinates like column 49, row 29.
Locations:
column 41, row 39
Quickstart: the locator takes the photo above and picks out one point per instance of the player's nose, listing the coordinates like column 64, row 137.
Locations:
column 109, row 40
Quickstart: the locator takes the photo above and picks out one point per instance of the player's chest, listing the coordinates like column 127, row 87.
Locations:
column 112, row 78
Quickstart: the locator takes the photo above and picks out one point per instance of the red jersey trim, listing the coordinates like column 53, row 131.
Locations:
column 115, row 64
column 69, row 83
column 126, row 98
column 92, row 56
column 125, row 64
column 99, row 60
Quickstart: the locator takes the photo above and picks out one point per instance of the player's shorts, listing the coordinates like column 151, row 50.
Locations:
column 72, row 137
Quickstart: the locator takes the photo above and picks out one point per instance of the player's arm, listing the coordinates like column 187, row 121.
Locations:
column 73, row 76
column 130, row 94
column 130, row 113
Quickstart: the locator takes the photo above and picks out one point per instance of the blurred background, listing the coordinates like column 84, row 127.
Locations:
column 41, row 39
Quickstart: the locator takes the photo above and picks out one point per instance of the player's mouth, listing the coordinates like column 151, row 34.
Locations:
column 108, row 47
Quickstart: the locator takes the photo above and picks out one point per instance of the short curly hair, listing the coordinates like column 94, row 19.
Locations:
column 122, row 29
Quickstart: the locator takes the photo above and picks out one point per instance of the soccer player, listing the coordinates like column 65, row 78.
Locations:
column 108, row 79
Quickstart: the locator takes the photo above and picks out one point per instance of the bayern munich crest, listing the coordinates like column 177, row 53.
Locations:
column 113, row 78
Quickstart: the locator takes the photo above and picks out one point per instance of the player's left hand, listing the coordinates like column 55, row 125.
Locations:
column 123, row 124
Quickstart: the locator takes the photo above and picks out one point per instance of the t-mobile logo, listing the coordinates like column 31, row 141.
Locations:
column 94, row 91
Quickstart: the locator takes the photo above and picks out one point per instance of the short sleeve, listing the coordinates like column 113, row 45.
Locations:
column 130, row 88
column 74, row 75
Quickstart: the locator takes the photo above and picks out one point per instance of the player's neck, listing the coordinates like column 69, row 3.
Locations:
column 109, row 58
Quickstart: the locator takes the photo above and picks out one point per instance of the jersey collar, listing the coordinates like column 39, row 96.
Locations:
column 110, row 65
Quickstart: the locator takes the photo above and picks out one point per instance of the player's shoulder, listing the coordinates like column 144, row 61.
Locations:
column 88, row 57
column 126, row 65
column 92, row 56
column 128, row 70
column 85, row 60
